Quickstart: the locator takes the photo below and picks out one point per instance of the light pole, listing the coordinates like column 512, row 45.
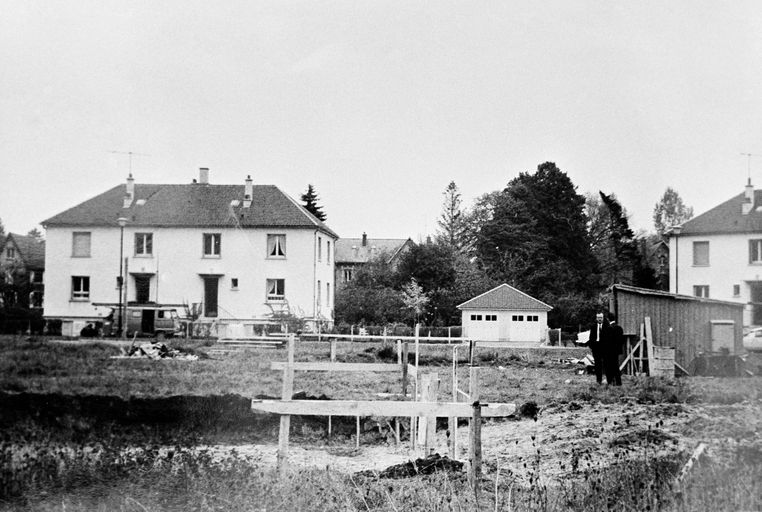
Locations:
column 676, row 233
column 120, row 280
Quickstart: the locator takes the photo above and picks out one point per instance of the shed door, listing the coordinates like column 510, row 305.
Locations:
column 723, row 335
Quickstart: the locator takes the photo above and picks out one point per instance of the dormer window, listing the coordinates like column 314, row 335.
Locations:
column 276, row 246
column 10, row 252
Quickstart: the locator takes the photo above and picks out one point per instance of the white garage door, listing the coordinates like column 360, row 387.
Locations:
column 483, row 326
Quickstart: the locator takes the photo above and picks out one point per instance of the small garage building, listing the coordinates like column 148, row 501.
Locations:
column 505, row 314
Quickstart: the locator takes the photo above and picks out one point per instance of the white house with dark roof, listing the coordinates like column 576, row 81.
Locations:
column 239, row 252
column 505, row 314
column 353, row 253
column 718, row 254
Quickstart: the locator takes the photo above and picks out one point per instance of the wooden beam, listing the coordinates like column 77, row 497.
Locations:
column 649, row 345
column 316, row 366
column 285, row 420
column 379, row 408
column 630, row 355
column 475, row 448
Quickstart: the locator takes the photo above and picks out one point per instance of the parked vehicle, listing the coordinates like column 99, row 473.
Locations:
column 159, row 321
column 752, row 341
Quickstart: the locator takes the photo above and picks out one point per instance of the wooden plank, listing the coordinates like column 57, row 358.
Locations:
column 412, row 371
column 431, row 423
column 405, row 370
column 376, row 337
column 426, row 382
column 379, row 408
column 649, row 344
column 475, row 447
column 630, row 354
column 317, row 366
column 333, row 350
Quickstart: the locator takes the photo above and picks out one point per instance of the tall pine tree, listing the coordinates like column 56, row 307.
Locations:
column 310, row 200
column 452, row 226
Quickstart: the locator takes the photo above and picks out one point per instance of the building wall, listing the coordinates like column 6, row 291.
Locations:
column 728, row 266
column 178, row 262
column 505, row 328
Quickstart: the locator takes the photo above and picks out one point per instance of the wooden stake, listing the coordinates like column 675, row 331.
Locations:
column 333, row 350
column 452, row 421
column 475, row 447
column 417, row 329
column 357, row 443
column 426, row 379
column 399, row 351
column 404, row 370
column 285, row 420
column 431, row 422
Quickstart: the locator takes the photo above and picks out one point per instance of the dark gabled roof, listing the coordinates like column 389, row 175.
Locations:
column 31, row 250
column 668, row 295
column 191, row 205
column 505, row 297
column 351, row 250
column 727, row 218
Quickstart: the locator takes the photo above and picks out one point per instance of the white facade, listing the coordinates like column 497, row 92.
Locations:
column 491, row 325
column 722, row 266
column 176, row 269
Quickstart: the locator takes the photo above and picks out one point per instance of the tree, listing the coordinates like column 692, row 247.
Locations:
column 477, row 216
column 36, row 233
column 670, row 211
column 370, row 298
column 452, row 227
column 431, row 265
column 537, row 237
column 310, row 200
column 2, row 233
column 414, row 298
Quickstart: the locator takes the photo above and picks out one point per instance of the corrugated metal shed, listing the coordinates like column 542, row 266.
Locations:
column 678, row 321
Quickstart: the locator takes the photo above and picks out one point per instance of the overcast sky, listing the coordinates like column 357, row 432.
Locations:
column 378, row 104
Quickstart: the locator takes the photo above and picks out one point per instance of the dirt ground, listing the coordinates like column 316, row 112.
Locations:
column 564, row 441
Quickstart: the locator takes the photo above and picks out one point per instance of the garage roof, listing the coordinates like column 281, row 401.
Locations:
column 505, row 297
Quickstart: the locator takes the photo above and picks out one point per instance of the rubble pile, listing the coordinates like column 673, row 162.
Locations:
column 155, row 351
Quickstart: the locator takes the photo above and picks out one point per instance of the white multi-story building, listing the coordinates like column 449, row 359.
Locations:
column 718, row 254
column 235, row 251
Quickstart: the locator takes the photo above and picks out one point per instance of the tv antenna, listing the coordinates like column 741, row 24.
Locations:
column 130, row 153
column 748, row 164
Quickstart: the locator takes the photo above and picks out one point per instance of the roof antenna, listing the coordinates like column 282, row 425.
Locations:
column 748, row 165
column 129, row 153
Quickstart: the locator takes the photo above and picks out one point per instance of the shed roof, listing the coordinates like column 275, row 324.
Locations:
column 668, row 295
column 505, row 297
column 191, row 205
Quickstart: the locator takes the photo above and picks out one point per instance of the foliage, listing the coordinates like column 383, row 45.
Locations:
column 621, row 256
column 670, row 211
column 478, row 215
column 414, row 298
column 431, row 265
column 452, row 226
column 310, row 200
column 370, row 297
column 537, row 238
column 2, row 233
column 36, row 233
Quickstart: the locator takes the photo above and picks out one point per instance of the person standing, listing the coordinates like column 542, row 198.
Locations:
column 611, row 350
column 599, row 336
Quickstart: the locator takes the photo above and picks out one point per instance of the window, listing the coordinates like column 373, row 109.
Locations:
column 755, row 251
column 36, row 276
column 80, row 288
column 736, row 290
column 160, row 314
column 212, row 243
column 490, row 318
column 80, row 244
column 233, row 283
column 328, row 294
column 534, row 318
column 320, row 248
column 276, row 289
column 347, row 275
column 319, row 290
column 276, row 246
column 328, row 251
column 701, row 290
column 476, row 317
column 143, row 244
column 700, row 254
column 517, row 318
column 10, row 252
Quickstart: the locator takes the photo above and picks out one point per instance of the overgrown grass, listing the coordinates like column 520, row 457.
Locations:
column 182, row 478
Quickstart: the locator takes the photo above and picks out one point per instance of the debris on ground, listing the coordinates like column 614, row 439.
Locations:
column 432, row 464
column 154, row 351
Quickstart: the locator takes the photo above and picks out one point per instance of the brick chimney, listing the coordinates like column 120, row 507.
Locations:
column 203, row 175
column 247, row 192
column 364, row 239
column 748, row 201
column 129, row 192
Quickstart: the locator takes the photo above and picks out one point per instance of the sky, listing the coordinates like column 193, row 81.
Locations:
column 378, row 104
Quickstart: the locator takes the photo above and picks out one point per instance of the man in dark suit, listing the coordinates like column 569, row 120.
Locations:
column 611, row 351
column 599, row 337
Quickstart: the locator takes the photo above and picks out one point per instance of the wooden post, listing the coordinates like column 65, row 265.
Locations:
column 471, row 351
column 417, row 330
column 333, row 350
column 404, row 370
column 452, row 421
column 329, row 427
column 449, row 335
column 285, row 419
column 650, row 347
column 431, row 422
column 426, row 380
column 475, row 429
column 384, row 335
column 396, row 432
column 352, row 333
column 357, row 443
column 399, row 351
